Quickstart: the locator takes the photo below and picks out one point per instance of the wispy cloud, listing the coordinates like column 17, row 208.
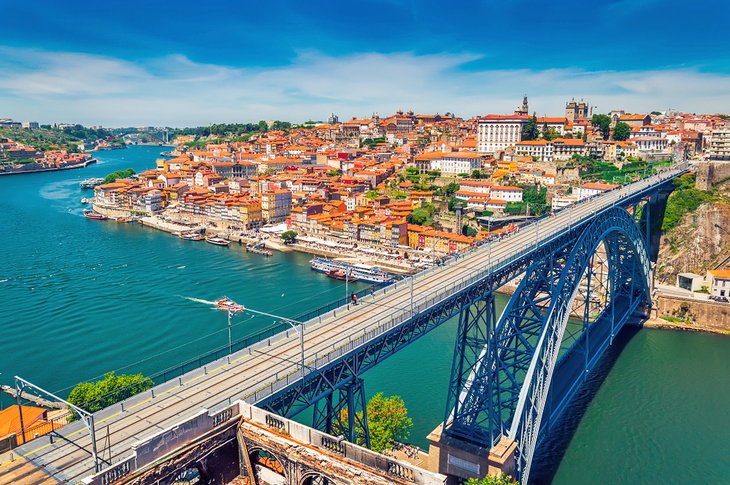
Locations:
column 174, row 90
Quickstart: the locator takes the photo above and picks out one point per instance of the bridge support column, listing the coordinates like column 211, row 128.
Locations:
column 460, row 460
column 344, row 412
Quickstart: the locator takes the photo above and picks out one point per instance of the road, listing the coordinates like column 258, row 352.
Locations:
column 255, row 374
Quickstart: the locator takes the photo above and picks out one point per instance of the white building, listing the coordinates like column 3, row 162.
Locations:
column 560, row 202
column 507, row 193
column 540, row 150
column 720, row 144
column 650, row 144
column 719, row 280
column 457, row 162
column 590, row 189
column 497, row 132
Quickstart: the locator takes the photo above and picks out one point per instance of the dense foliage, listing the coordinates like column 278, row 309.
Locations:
column 289, row 237
column 423, row 215
column 621, row 131
column 533, row 196
column 685, row 199
column 592, row 169
column 45, row 139
column 529, row 129
column 603, row 124
column 93, row 396
column 119, row 174
column 500, row 479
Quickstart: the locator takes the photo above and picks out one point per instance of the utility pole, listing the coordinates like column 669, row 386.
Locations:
column 230, row 340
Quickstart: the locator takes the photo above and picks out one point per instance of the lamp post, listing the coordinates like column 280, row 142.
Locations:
column 293, row 324
column 230, row 340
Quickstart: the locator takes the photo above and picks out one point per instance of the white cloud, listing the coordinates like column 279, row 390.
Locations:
column 173, row 90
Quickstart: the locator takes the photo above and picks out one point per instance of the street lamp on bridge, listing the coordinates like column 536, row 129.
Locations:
column 294, row 324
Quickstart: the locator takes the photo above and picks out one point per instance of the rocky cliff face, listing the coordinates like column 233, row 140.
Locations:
column 700, row 242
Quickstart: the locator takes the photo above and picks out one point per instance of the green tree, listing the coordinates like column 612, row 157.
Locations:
column 388, row 421
column 500, row 479
column 119, row 174
column 467, row 230
column 93, row 396
column 603, row 124
column 289, row 237
column 621, row 131
column 476, row 174
column 419, row 216
column 529, row 130
column 449, row 189
column 545, row 133
column 655, row 113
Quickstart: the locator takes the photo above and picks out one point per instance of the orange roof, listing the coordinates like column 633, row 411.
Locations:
column 598, row 186
column 10, row 418
column 723, row 274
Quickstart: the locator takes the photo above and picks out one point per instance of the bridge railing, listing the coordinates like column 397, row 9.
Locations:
column 346, row 345
column 339, row 348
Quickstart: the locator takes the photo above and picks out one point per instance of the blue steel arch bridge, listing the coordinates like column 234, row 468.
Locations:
column 583, row 272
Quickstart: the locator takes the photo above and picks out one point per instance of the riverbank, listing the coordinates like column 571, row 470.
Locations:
column 250, row 238
column 689, row 314
column 660, row 323
column 50, row 169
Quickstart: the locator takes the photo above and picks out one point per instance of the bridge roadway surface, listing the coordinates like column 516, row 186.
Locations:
column 255, row 375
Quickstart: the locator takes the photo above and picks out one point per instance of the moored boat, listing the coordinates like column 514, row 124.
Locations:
column 94, row 216
column 363, row 272
column 227, row 304
column 192, row 236
column 259, row 249
column 123, row 220
column 339, row 274
column 218, row 241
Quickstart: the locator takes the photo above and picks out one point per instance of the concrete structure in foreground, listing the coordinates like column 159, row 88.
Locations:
column 239, row 441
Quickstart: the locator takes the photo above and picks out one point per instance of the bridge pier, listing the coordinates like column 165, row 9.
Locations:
column 460, row 460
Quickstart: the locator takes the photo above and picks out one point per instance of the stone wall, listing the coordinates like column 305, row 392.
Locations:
column 710, row 173
column 705, row 314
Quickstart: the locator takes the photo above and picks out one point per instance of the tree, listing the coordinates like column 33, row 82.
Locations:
column 621, row 131
column 419, row 217
column 476, row 174
column 119, row 174
column 289, row 237
column 655, row 113
column 467, row 230
column 388, row 421
column 603, row 124
column 529, row 130
column 545, row 132
column 93, row 396
column 449, row 189
column 500, row 479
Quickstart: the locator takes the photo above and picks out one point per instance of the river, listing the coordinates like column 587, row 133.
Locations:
column 80, row 298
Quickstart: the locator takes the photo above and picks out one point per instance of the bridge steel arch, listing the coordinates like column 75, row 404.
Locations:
column 519, row 382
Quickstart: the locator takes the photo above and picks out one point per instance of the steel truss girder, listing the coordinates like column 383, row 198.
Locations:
column 505, row 392
column 318, row 385
column 344, row 412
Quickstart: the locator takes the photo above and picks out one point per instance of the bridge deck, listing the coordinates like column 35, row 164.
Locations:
column 256, row 374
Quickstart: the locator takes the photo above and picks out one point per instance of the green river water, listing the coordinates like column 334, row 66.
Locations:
column 81, row 297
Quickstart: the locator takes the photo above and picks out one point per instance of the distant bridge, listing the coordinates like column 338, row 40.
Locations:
column 511, row 377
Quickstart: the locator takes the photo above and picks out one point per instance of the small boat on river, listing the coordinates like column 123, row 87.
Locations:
column 339, row 274
column 227, row 304
column 259, row 249
column 94, row 216
column 192, row 236
column 218, row 241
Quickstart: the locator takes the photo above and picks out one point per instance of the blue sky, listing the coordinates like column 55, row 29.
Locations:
column 190, row 63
